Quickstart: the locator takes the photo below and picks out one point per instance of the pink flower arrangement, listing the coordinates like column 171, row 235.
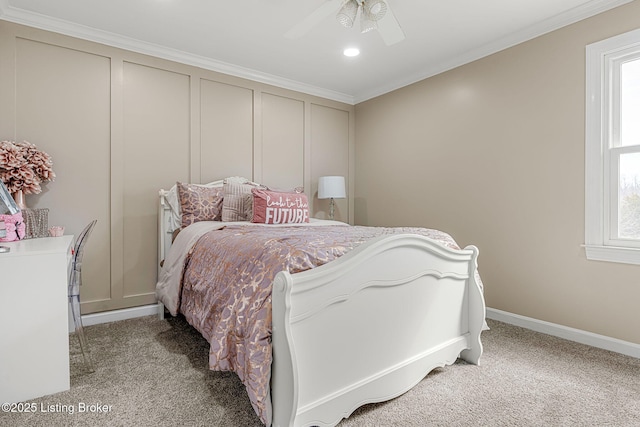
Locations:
column 24, row 167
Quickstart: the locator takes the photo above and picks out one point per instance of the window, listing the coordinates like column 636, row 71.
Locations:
column 612, row 190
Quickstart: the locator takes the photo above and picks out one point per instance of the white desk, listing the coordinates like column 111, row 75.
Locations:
column 34, row 335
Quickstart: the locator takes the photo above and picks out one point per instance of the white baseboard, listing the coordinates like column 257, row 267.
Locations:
column 571, row 334
column 114, row 315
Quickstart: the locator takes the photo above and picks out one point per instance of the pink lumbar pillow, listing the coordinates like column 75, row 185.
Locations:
column 273, row 207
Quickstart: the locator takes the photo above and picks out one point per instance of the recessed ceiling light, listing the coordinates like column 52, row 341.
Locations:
column 351, row 51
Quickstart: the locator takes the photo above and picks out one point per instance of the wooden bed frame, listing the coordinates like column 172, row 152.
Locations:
column 368, row 326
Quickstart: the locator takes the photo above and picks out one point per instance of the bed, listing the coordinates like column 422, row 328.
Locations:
column 360, row 322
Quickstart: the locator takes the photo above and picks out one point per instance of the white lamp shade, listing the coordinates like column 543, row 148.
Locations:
column 331, row 187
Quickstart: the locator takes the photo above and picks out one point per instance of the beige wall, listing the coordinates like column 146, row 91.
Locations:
column 493, row 153
column 120, row 126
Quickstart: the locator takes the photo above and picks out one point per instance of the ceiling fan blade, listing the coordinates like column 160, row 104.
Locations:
column 327, row 8
column 389, row 28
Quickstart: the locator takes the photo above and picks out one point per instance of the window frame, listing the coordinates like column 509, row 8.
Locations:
column 601, row 160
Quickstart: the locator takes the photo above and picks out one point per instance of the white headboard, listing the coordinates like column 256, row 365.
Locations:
column 164, row 227
column 169, row 217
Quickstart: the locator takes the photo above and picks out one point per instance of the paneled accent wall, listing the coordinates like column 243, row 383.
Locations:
column 226, row 130
column 331, row 153
column 63, row 104
column 280, row 155
column 121, row 125
column 155, row 139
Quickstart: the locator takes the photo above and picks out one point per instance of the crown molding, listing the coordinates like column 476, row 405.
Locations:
column 569, row 17
column 48, row 23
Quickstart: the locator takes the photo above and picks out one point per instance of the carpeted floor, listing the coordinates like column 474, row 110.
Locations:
column 154, row 373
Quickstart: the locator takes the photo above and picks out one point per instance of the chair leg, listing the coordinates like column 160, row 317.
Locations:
column 77, row 320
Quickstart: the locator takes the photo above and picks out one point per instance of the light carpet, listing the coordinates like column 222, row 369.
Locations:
column 152, row 372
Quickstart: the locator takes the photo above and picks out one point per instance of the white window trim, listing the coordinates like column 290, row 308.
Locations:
column 596, row 166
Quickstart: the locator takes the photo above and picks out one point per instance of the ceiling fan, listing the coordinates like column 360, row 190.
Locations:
column 374, row 15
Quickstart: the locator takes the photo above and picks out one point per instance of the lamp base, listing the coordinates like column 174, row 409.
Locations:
column 332, row 208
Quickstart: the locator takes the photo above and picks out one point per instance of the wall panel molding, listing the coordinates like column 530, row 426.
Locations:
column 121, row 125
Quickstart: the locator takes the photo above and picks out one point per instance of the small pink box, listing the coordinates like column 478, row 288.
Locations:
column 56, row 231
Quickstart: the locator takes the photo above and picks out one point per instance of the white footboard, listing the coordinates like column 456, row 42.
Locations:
column 370, row 325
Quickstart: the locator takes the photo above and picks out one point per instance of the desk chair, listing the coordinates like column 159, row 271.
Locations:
column 75, row 281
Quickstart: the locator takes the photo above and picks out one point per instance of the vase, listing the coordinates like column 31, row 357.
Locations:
column 18, row 196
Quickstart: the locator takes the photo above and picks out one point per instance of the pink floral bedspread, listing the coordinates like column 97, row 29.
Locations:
column 226, row 289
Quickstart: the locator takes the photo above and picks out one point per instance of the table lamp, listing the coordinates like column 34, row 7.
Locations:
column 331, row 187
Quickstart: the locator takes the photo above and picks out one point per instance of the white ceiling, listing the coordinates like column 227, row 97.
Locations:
column 246, row 37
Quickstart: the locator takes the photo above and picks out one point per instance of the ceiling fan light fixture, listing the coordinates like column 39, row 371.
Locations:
column 347, row 14
column 367, row 24
column 374, row 9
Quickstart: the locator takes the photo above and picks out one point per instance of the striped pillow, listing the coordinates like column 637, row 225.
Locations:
column 237, row 202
